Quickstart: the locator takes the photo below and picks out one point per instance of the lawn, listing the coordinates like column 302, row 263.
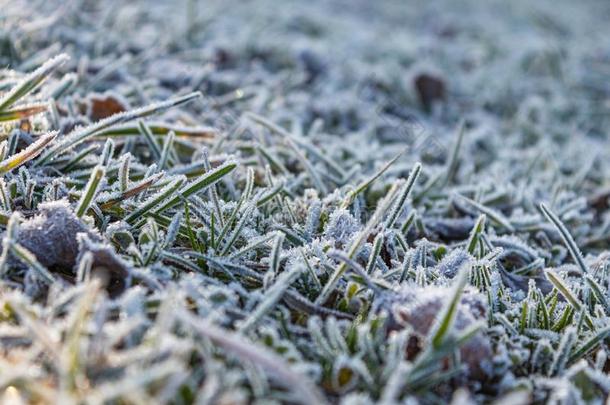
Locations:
column 304, row 202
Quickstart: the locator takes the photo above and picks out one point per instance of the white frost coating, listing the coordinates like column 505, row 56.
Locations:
column 152, row 307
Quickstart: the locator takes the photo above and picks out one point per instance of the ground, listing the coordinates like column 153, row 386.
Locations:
column 304, row 202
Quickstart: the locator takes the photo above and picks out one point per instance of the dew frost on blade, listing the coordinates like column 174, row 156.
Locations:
column 79, row 135
column 28, row 153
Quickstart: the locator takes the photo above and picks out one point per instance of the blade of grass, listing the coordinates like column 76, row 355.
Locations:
column 276, row 250
column 473, row 239
column 124, row 172
column 565, row 291
column 27, row 154
column 30, row 260
column 31, row 81
column 204, row 181
column 377, row 245
column 20, row 112
column 252, row 245
column 356, row 244
column 599, row 295
column 150, row 140
column 301, row 142
column 238, row 227
column 272, row 296
column 492, row 214
column 155, row 200
column 566, row 237
column 71, row 164
column 398, row 207
column 351, row 196
column 305, row 391
column 212, row 189
column 563, row 351
column 132, row 191
column 157, row 129
column 453, row 162
column 97, row 174
column 80, row 135
column 165, row 159
column 440, row 330
column 590, row 344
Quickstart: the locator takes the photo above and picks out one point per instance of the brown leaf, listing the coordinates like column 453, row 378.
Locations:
column 429, row 89
column 104, row 105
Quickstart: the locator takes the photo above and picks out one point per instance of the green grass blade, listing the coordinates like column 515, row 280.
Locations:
column 80, row 135
column 97, row 174
column 351, row 196
column 357, row 243
column 590, row 344
column 195, row 186
column 272, row 297
column 31, row 82
column 27, row 154
column 492, row 214
column 399, row 205
column 565, row 291
column 599, row 295
column 473, row 239
column 566, row 237
column 21, row 112
column 155, row 200
column 30, row 260
column 440, row 330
